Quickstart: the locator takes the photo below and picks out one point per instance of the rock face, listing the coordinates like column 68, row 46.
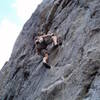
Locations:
column 75, row 72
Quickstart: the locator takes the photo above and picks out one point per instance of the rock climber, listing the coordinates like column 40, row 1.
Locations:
column 41, row 43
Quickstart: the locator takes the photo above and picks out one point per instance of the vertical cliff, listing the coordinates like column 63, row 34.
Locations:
column 75, row 72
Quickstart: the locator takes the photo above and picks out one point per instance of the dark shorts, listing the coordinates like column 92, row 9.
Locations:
column 48, row 40
column 43, row 52
column 43, row 48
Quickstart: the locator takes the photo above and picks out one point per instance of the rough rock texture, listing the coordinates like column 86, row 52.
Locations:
column 75, row 72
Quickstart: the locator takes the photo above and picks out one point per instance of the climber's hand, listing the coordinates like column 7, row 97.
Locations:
column 52, row 34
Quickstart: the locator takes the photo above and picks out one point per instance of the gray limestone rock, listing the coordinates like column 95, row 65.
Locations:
column 75, row 72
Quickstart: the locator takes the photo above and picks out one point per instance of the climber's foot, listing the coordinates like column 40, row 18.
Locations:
column 58, row 44
column 60, row 41
column 46, row 65
column 55, row 46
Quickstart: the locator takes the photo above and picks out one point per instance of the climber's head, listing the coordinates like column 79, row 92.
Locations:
column 38, row 39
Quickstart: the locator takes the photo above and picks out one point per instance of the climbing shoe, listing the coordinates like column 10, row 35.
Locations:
column 55, row 46
column 46, row 65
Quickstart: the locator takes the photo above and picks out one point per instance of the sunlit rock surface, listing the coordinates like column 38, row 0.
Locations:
column 75, row 72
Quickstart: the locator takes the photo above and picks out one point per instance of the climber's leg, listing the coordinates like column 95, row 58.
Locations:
column 45, row 58
column 45, row 61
